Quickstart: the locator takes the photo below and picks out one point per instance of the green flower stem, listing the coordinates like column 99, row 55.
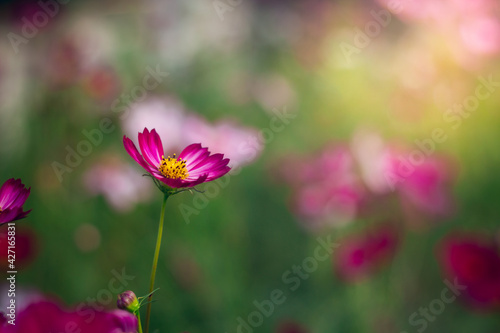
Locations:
column 139, row 325
column 155, row 260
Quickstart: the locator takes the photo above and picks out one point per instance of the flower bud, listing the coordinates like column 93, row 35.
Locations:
column 128, row 301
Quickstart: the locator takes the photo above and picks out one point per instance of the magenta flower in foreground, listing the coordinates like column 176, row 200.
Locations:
column 194, row 165
column 13, row 195
column 47, row 316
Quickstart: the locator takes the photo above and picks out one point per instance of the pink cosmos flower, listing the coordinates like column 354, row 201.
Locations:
column 13, row 195
column 475, row 262
column 195, row 164
column 47, row 316
column 362, row 255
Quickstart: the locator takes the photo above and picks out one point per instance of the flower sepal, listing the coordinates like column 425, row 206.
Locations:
column 169, row 191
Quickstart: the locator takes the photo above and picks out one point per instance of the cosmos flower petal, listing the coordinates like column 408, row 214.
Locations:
column 219, row 173
column 9, row 215
column 13, row 195
column 207, row 163
column 134, row 153
column 149, row 148
column 156, row 145
column 194, row 153
column 215, row 171
column 8, row 192
column 21, row 197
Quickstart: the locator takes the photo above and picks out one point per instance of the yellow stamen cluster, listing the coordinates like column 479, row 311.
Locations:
column 173, row 168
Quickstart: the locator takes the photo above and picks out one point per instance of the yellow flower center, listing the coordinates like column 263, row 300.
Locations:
column 173, row 168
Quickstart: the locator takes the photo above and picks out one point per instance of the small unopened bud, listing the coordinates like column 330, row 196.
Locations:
column 128, row 301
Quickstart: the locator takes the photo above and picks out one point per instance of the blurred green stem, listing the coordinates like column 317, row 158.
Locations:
column 139, row 325
column 155, row 261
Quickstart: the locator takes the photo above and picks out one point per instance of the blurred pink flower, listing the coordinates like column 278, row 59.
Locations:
column 372, row 156
column 225, row 136
column 326, row 189
column 327, row 204
column 471, row 27
column 474, row 261
column 24, row 297
column 364, row 254
column 166, row 115
column 418, row 177
column 119, row 182
column 425, row 185
column 47, row 316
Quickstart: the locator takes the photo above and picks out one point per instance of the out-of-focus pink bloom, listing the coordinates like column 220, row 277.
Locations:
column 411, row 10
column 474, row 261
column 330, row 164
column 326, row 188
column 25, row 249
column 166, row 115
column 195, row 164
column 238, row 143
column 119, row 182
column 327, row 204
column 48, row 316
column 473, row 26
column 24, row 297
column 362, row 255
column 290, row 327
column 424, row 185
column 371, row 154
column 421, row 180
column 481, row 35
column 13, row 195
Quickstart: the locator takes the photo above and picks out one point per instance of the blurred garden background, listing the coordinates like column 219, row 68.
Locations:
column 363, row 137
